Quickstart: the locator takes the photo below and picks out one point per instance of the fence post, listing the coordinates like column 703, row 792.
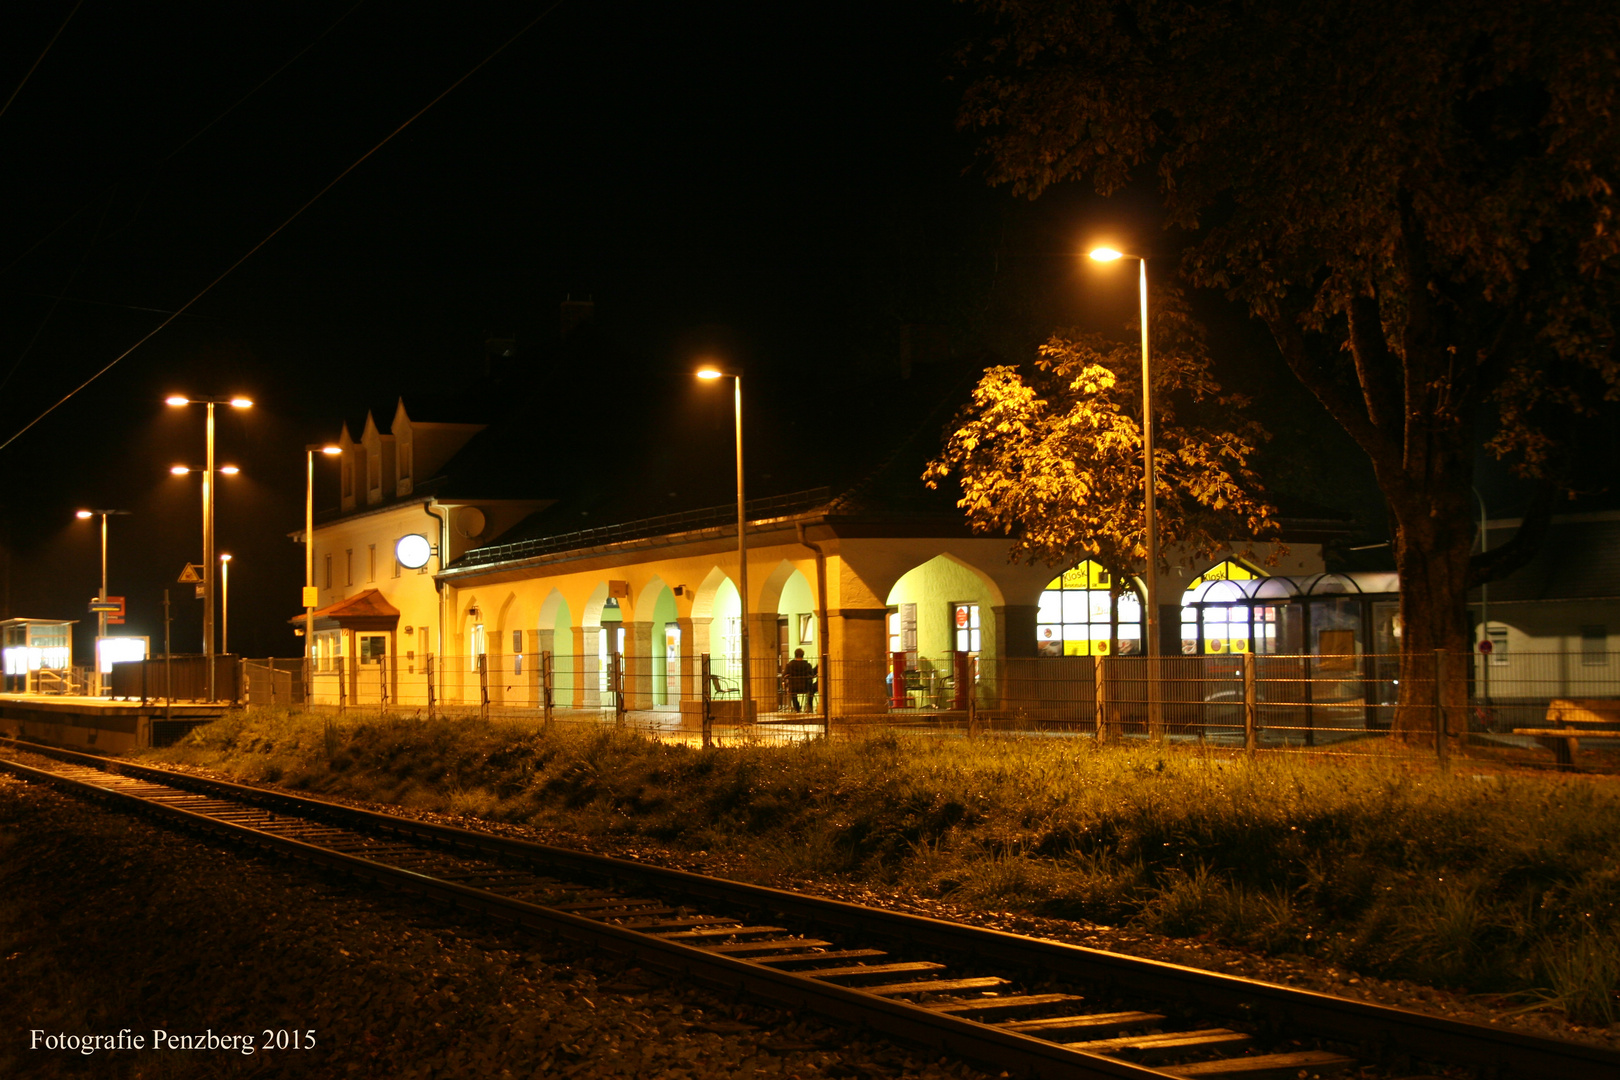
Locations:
column 708, row 716
column 1099, row 672
column 823, row 677
column 616, row 685
column 382, row 685
column 1441, row 746
column 545, row 686
column 1251, row 706
column 483, row 686
column 343, row 682
column 427, row 669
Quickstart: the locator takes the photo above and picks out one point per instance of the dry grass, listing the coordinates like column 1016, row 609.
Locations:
column 1497, row 884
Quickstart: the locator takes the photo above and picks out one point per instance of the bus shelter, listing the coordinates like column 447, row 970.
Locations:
column 37, row 655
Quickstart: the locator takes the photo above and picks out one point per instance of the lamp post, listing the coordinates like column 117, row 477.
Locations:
column 101, row 616
column 1151, row 578
column 746, row 694
column 309, row 561
column 208, row 522
column 1484, row 605
column 225, row 604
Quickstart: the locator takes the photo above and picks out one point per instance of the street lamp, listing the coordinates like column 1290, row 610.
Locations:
column 237, row 402
column 309, row 561
column 1151, row 578
column 746, row 694
column 225, row 604
column 101, row 616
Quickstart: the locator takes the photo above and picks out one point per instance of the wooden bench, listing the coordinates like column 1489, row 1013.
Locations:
column 1565, row 742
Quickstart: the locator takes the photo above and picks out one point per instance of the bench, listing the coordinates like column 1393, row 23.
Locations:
column 1565, row 741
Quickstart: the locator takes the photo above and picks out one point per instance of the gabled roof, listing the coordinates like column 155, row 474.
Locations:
column 367, row 610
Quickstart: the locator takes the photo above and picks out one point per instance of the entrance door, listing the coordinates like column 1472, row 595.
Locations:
column 672, row 663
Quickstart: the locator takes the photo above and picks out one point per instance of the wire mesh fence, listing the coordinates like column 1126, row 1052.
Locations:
column 1364, row 704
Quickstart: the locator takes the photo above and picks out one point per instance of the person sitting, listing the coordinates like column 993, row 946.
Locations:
column 800, row 676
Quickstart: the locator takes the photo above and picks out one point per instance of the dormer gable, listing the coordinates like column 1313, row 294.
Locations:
column 404, row 451
column 350, row 462
column 378, row 462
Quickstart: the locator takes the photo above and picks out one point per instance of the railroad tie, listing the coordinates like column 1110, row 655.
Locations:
column 1002, row 1004
column 858, row 971
column 935, row 986
column 1265, row 1066
column 819, row 957
column 1052, row 1025
column 766, row 946
column 1161, row 1046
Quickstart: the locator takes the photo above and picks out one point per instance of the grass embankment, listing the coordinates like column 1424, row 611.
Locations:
column 1500, row 884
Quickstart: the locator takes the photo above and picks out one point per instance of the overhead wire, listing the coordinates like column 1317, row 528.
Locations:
column 170, row 156
column 181, row 310
column 41, row 57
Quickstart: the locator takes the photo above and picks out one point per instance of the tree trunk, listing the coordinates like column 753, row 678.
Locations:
column 1433, row 545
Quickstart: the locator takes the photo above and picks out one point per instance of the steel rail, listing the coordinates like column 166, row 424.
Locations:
column 958, row 1035
column 1265, row 1004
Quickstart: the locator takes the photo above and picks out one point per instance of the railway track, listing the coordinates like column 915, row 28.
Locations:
column 1027, row 1006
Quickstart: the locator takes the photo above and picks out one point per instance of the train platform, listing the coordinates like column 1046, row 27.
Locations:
column 106, row 725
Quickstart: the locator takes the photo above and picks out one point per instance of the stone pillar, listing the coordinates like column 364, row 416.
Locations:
column 638, row 665
column 587, row 667
column 857, row 647
column 762, row 657
column 531, row 663
column 689, row 689
column 1015, row 629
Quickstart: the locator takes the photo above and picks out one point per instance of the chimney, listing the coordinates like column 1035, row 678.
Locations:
column 574, row 314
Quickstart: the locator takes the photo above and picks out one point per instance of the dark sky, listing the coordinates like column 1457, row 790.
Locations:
column 783, row 181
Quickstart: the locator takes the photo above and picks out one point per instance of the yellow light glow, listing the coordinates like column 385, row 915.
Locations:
column 710, row 373
column 331, row 449
column 241, row 403
column 230, row 470
column 176, row 399
column 82, row 514
column 179, row 470
column 1106, row 254
column 224, row 558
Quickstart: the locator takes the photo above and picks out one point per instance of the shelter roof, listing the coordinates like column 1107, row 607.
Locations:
column 367, row 610
column 1579, row 559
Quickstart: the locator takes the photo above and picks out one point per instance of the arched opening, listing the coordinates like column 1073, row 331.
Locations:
column 556, row 626
column 1088, row 611
column 1218, row 615
column 937, row 610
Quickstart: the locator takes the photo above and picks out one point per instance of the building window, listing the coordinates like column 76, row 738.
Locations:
column 517, row 652
column 476, row 644
column 1594, row 646
column 348, row 562
column 373, row 647
column 1498, row 637
column 371, row 563
column 965, row 627
column 405, row 462
column 1226, row 626
column 1078, row 616
column 373, row 470
column 328, row 569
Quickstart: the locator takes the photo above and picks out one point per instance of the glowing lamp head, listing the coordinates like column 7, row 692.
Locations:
column 230, row 470
column 331, row 449
column 177, row 399
column 1106, row 254
column 224, row 558
column 711, row 373
column 241, row 403
column 82, row 514
column 179, row 470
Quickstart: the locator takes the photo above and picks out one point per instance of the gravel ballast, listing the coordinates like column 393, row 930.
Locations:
column 109, row 923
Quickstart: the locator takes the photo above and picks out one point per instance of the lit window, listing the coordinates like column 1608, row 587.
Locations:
column 965, row 627
column 1077, row 615
column 1226, row 626
column 328, row 570
column 371, row 563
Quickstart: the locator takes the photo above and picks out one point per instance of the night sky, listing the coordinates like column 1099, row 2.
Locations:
column 783, row 183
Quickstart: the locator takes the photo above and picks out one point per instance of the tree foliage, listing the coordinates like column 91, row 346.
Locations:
column 1052, row 455
column 1416, row 198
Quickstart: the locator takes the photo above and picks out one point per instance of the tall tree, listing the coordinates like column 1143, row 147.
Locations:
column 1052, row 454
column 1417, row 198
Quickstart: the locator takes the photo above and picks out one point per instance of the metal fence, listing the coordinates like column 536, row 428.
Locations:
column 1242, row 702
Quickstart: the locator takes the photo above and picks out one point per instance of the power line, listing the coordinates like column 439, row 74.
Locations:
column 41, row 58
column 181, row 310
column 170, row 156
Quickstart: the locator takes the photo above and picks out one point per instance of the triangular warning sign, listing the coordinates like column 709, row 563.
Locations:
column 191, row 574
